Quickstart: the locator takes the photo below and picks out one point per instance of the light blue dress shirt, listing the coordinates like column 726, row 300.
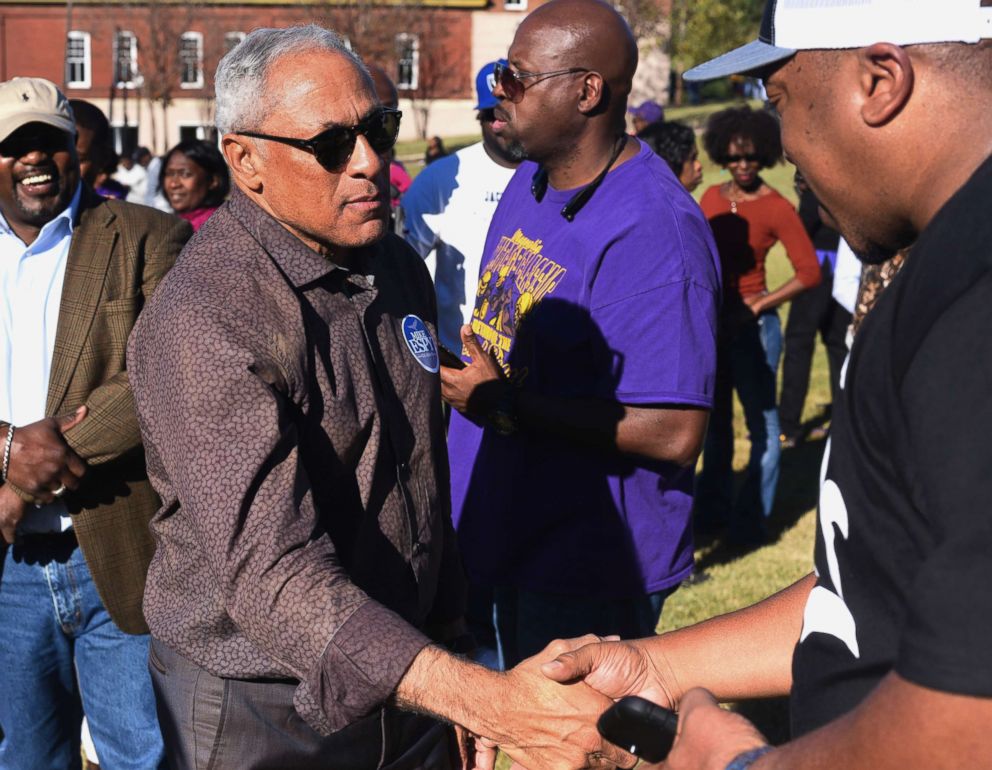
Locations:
column 31, row 279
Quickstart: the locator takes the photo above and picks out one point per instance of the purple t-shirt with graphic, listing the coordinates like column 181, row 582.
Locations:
column 618, row 305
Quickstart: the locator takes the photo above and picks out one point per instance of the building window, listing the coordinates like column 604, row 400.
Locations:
column 77, row 59
column 408, row 62
column 191, row 60
column 125, row 59
column 515, row 5
column 190, row 131
column 125, row 139
column 231, row 39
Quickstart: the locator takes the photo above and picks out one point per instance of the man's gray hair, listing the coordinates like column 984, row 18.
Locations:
column 239, row 84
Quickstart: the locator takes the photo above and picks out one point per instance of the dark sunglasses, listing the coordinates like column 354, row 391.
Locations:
column 512, row 82
column 35, row 136
column 333, row 147
column 750, row 158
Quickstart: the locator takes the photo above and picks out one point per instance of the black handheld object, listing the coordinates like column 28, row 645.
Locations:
column 641, row 727
column 449, row 359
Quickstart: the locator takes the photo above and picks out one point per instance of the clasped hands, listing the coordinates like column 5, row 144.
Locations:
column 556, row 728
column 41, row 464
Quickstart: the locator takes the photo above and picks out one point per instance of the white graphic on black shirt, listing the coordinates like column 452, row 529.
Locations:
column 826, row 611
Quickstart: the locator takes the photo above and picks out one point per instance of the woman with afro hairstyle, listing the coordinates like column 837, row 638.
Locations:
column 748, row 217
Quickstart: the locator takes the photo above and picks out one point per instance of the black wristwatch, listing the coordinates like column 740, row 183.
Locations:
column 503, row 417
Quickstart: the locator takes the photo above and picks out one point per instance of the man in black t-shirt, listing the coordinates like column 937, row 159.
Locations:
column 886, row 648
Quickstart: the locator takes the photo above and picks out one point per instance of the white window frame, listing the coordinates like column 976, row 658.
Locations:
column 515, row 5
column 232, row 35
column 127, row 34
column 196, row 37
column 86, row 62
column 404, row 39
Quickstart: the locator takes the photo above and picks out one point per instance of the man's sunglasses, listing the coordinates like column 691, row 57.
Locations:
column 512, row 82
column 749, row 158
column 333, row 147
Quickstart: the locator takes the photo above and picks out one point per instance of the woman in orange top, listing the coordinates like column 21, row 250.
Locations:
column 748, row 217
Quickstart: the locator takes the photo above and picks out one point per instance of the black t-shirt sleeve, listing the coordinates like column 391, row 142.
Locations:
column 946, row 395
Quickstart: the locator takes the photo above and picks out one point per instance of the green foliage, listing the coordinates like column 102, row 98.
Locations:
column 701, row 29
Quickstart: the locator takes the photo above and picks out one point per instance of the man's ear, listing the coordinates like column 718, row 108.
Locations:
column 887, row 80
column 592, row 92
column 243, row 160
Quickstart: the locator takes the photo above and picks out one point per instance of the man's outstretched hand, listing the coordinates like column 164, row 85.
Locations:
column 550, row 726
column 614, row 669
column 40, row 459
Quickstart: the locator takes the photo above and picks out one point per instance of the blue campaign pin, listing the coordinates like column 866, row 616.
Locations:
column 420, row 342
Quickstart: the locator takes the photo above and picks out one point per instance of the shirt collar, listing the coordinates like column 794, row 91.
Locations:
column 63, row 222
column 297, row 260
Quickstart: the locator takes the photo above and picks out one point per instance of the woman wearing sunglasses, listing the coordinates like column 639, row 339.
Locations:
column 748, row 217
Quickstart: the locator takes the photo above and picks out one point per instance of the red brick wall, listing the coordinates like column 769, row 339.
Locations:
column 32, row 40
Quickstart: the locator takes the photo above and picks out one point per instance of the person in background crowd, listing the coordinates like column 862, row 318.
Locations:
column 748, row 217
column 152, row 194
column 399, row 179
column 884, row 648
column 435, row 150
column 306, row 581
column 592, row 347
column 646, row 114
column 448, row 209
column 675, row 143
column 75, row 270
column 95, row 149
column 133, row 176
column 810, row 312
column 194, row 180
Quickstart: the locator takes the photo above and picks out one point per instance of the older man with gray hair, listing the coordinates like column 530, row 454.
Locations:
column 305, row 585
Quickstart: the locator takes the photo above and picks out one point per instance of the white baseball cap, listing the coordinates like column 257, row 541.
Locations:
column 802, row 25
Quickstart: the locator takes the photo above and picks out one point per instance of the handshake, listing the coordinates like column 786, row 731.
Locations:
column 543, row 714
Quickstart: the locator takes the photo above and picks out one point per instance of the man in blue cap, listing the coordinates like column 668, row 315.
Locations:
column 884, row 646
column 447, row 212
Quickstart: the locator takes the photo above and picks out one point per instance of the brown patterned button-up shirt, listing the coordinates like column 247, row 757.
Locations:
column 297, row 444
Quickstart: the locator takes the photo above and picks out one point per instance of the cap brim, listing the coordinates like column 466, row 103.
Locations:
column 14, row 122
column 487, row 105
column 747, row 58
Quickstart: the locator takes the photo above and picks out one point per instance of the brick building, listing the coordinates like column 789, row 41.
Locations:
column 149, row 65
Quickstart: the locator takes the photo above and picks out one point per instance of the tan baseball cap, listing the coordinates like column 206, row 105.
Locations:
column 33, row 100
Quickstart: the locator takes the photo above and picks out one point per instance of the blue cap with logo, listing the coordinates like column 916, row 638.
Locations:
column 485, row 81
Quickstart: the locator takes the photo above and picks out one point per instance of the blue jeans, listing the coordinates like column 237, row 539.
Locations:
column 61, row 655
column 747, row 361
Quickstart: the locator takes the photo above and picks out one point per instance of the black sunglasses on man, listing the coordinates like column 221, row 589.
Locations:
column 333, row 146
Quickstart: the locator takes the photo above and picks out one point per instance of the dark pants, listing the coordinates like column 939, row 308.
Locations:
column 748, row 352
column 815, row 310
column 212, row 723
column 527, row 621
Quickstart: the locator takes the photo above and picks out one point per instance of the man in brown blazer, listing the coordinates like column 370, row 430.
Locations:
column 75, row 271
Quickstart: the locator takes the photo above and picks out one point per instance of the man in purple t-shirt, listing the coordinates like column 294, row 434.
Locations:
column 582, row 412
